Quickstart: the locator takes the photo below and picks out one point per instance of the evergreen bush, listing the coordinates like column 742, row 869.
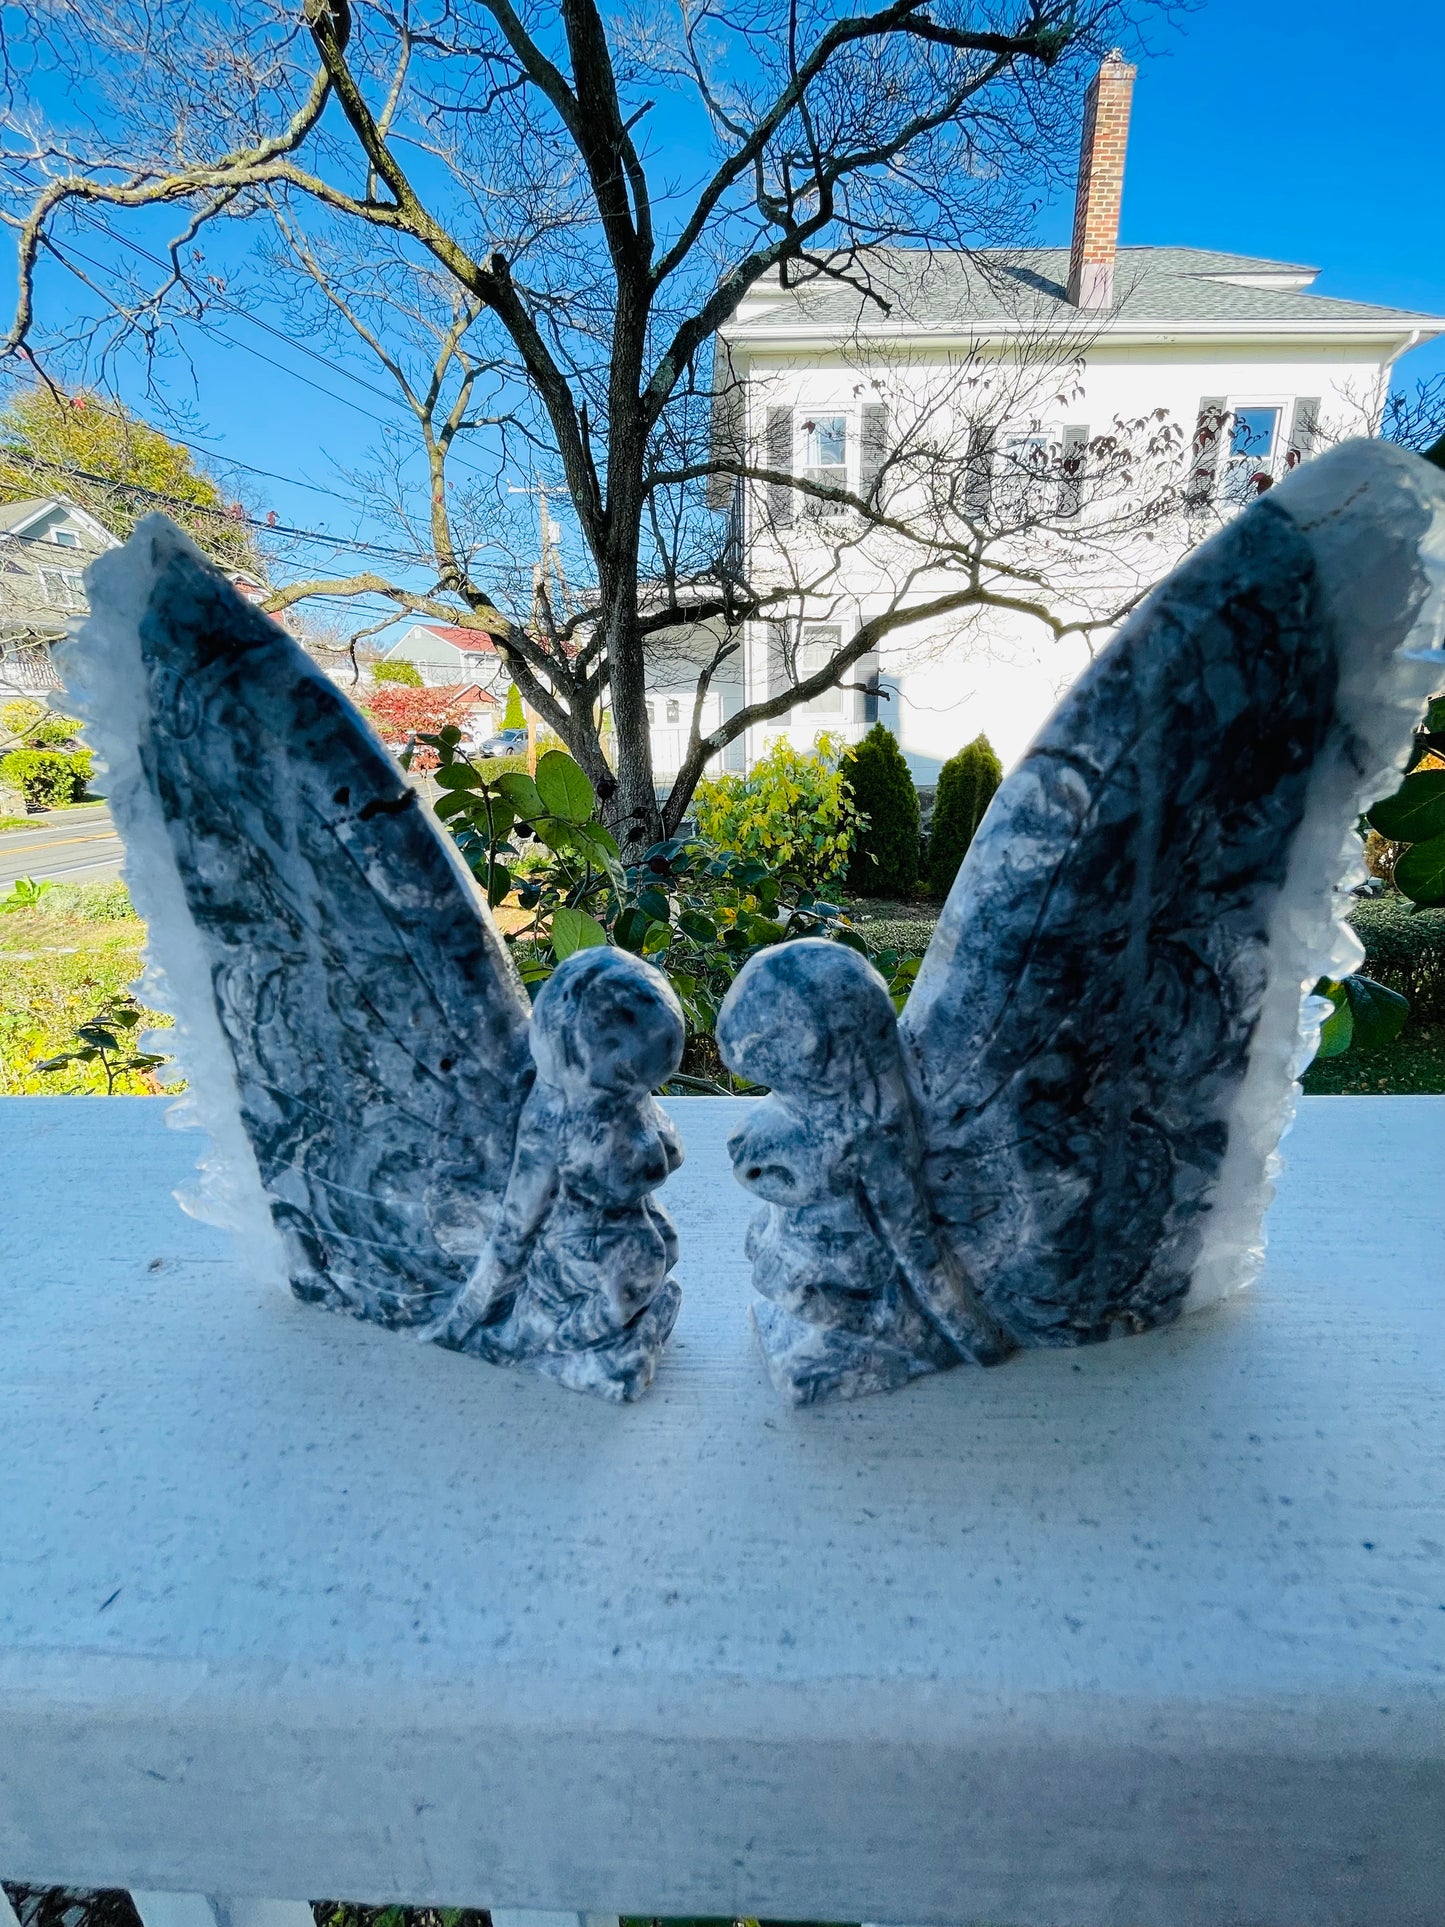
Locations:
column 405, row 673
column 885, row 845
column 46, row 777
column 966, row 784
column 513, row 716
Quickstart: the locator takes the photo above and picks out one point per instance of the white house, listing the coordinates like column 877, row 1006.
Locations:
column 444, row 655
column 1083, row 338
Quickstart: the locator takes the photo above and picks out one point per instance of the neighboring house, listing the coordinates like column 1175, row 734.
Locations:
column 45, row 545
column 1210, row 337
column 674, row 658
column 446, row 655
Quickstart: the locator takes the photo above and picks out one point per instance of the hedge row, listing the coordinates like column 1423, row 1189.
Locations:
column 1404, row 949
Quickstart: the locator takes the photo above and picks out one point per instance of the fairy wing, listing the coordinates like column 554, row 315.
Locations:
column 351, row 1028
column 1107, row 1026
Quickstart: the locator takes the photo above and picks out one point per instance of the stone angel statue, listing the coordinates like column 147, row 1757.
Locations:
column 391, row 1129
column 1071, row 1131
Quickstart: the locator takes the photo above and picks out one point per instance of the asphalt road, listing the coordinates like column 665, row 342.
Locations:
column 73, row 846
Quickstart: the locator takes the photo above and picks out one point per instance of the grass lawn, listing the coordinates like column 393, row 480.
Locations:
column 58, row 964
column 1413, row 1065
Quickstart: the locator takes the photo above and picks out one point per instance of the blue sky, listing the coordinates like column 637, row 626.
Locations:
column 1269, row 127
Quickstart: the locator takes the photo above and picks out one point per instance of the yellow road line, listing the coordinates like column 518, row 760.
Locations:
column 56, row 842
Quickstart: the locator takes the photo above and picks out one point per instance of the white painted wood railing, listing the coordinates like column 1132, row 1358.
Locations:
column 1153, row 1633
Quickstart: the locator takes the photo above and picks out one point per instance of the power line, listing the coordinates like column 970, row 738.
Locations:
column 224, row 301
column 246, row 346
column 255, row 321
column 356, row 546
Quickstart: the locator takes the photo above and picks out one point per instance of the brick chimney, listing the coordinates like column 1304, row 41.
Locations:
column 1101, row 185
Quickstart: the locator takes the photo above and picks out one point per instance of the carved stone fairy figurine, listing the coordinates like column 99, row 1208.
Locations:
column 858, row 1295
column 574, row 1278
column 1071, row 1132
column 389, row 1129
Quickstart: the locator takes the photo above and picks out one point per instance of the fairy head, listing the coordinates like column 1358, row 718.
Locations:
column 810, row 1017
column 605, row 1020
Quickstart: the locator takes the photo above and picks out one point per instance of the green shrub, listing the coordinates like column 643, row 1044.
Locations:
column 513, row 716
column 20, row 717
column 41, row 728
column 1404, row 949
column 46, row 777
column 792, row 810
column 966, row 784
column 885, row 847
column 405, row 673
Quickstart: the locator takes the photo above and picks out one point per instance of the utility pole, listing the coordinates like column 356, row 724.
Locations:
column 548, row 564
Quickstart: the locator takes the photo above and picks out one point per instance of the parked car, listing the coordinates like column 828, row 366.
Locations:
column 506, row 742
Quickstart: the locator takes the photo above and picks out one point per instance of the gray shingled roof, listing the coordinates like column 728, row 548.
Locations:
column 1165, row 285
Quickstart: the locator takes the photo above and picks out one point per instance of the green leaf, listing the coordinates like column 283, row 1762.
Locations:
column 499, row 882
column 1416, row 812
column 763, row 930
column 654, row 904
column 659, row 936
column 630, row 928
column 564, row 788
column 1339, row 1027
column 574, row 930
column 852, row 939
column 694, row 924
column 1379, row 1013
column 503, row 816
column 1420, row 873
column 522, row 793
column 454, row 803
column 458, row 776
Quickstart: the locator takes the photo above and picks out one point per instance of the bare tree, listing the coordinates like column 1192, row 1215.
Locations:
column 536, row 219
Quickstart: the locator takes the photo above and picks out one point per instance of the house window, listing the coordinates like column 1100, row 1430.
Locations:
column 651, row 716
column 1025, row 476
column 825, row 459
column 1253, row 446
column 65, row 538
column 820, row 643
column 673, row 713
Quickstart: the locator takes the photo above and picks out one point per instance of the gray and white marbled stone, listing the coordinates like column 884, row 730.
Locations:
column 341, row 987
column 1074, row 1120
column 575, row 1277
column 858, row 1294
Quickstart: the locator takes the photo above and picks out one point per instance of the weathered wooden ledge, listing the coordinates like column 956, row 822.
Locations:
column 1153, row 1633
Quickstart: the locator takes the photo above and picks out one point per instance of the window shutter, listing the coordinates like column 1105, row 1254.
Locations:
column 1071, row 479
column 728, row 415
column 1204, row 455
column 780, row 457
column 872, row 446
column 779, row 677
column 978, row 480
column 1304, row 430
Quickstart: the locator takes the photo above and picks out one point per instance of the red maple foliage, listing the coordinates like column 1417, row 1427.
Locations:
column 397, row 713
